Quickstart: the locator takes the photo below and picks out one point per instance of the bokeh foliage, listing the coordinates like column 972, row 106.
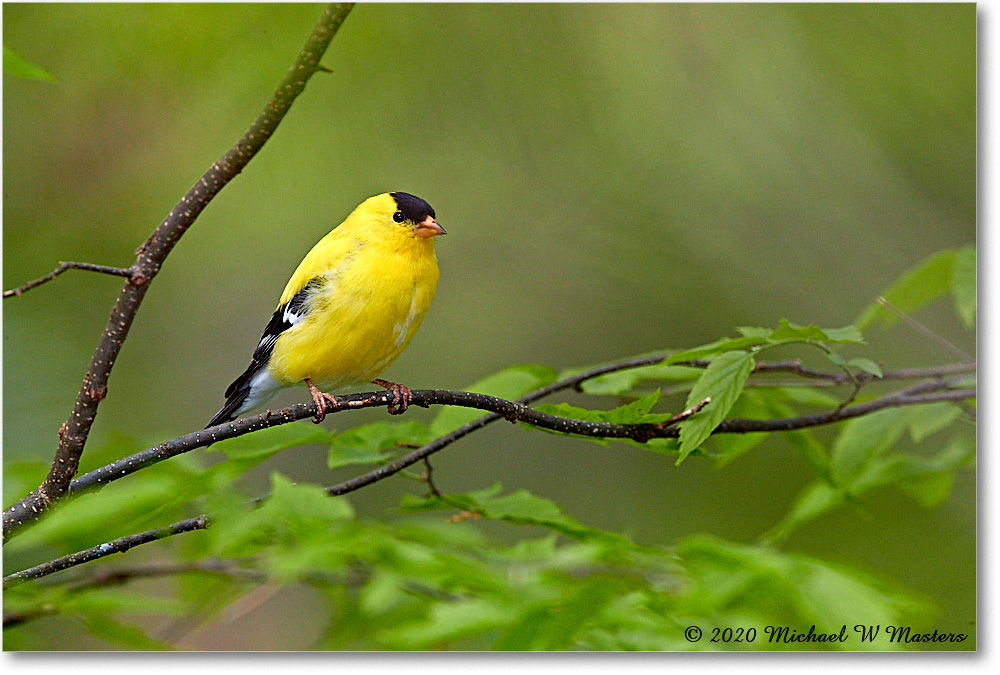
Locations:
column 614, row 179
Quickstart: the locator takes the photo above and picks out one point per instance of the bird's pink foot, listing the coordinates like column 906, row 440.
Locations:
column 402, row 396
column 324, row 402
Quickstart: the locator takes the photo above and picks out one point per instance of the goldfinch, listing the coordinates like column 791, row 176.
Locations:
column 350, row 309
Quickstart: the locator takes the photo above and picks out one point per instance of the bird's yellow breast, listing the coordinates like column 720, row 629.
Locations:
column 376, row 289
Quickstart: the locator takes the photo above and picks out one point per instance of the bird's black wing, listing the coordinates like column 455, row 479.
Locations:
column 286, row 316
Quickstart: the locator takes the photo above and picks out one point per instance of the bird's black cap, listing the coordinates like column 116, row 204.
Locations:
column 414, row 208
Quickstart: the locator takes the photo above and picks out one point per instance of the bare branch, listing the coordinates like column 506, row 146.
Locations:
column 151, row 255
column 116, row 546
column 63, row 266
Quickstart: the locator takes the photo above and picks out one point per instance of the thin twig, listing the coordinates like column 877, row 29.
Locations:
column 151, row 255
column 63, row 266
column 115, row 546
column 920, row 328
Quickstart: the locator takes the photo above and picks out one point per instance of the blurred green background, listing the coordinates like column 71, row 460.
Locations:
column 614, row 179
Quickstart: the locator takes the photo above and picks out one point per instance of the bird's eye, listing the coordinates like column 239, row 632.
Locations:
column 398, row 216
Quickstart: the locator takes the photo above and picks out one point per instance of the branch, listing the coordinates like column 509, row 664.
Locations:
column 499, row 408
column 924, row 392
column 116, row 546
column 646, row 432
column 151, row 255
column 33, row 505
column 63, row 266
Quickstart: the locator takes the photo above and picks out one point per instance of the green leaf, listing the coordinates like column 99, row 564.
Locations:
column 15, row 65
column 264, row 443
column 926, row 479
column 755, row 331
column 930, row 490
column 296, row 524
column 728, row 447
column 866, row 365
column 802, row 440
column 723, row 381
column 121, row 508
column 636, row 412
column 925, row 420
column 718, row 347
column 927, row 282
column 511, row 383
column 963, row 285
column 123, row 634
column 769, row 587
column 624, row 381
column 20, row 478
column 790, row 332
column 812, row 502
column 374, row 443
column 521, row 507
column 807, row 395
column 448, row 622
column 861, row 440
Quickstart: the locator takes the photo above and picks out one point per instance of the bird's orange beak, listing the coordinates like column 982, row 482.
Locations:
column 428, row 227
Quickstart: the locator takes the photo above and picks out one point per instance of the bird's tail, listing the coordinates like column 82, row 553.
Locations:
column 253, row 388
column 230, row 410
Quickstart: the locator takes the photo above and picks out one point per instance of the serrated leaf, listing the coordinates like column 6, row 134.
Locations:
column 511, row 383
column 15, row 65
column 668, row 446
column 718, row 347
column 927, row 282
column 788, row 332
column 121, row 508
column 755, row 331
column 728, row 447
column 963, row 285
column 374, row 443
column 636, row 412
column 723, row 381
column 866, row 365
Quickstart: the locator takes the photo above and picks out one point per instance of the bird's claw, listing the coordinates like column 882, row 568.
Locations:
column 402, row 396
column 324, row 402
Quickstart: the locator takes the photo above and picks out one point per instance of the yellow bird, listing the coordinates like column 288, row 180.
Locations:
column 350, row 309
